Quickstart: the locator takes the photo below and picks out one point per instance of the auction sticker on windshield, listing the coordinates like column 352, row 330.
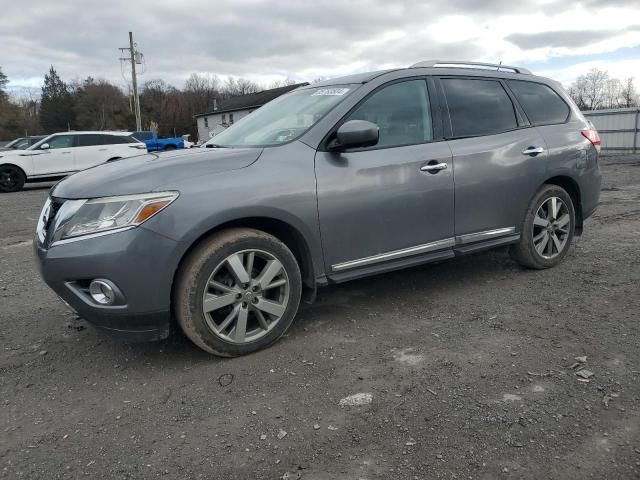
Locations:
column 331, row 91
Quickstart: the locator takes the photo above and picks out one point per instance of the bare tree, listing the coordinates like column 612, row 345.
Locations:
column 283, row 83
column 628, row 94
column 594, row 87
column 612, row 88
column 201, row 90
column 589, row 89
column 241, row 86
column 576, row 92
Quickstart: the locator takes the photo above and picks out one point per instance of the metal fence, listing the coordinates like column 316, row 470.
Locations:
column 619, row 129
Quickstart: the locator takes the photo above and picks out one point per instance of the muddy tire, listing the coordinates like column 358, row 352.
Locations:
column 238, row 291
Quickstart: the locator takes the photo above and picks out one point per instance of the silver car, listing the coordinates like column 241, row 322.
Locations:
column 338, row 180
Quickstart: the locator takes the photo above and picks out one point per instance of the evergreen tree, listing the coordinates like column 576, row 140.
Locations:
column 56, row 105
column 3, row 84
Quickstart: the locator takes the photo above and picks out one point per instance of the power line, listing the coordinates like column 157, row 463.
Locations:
column 135, row 58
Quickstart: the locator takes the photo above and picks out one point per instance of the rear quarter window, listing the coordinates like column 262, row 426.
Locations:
column 542, row 105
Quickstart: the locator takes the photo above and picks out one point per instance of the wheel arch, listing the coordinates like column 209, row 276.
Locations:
column 573, row 189
column 282, row 230
column 9, row 164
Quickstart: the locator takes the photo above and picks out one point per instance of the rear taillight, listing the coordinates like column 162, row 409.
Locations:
column 593, row 137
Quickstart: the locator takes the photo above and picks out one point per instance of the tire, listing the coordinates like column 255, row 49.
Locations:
column 170, row 147
column 212, row 272
column 12, row 179
column 540, row 223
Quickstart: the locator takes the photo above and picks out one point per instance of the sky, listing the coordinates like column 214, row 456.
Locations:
column 267, row 41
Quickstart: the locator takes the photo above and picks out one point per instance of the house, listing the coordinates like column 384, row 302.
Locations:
column 232, row 109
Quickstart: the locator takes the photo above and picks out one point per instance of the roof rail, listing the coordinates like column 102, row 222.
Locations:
column 474, row 65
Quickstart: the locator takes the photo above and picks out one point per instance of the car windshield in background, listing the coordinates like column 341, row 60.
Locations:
column 283, row 119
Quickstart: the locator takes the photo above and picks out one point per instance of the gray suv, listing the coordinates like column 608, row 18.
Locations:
column 334, row 181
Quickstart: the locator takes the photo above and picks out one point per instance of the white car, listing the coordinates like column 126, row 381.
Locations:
column 62, row 154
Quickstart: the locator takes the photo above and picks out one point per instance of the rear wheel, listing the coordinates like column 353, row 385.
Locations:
column 237, row 292
column 547, row 230
column 170, row 147
column 11, row 178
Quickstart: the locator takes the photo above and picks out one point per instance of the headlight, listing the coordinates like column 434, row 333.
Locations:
column 112, row 213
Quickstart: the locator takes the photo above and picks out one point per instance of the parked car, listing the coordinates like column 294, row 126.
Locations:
column 155, row 143
column 61, row 154
column 188, row 143
column 22, row 143
column 334, row 181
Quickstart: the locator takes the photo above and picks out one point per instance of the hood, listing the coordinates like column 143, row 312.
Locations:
column 146, row 173
column 5, row 152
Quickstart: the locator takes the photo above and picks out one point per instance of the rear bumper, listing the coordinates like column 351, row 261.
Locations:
column 590, row 186
column 138, row 261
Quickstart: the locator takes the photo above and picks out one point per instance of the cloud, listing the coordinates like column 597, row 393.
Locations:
column 301, row 39
column 566, row 38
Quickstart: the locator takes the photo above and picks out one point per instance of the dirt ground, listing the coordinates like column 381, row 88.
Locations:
column 468, row 363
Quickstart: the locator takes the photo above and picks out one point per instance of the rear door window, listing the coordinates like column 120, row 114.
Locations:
column 90, row 140
column 478, row 107
column 542, row 105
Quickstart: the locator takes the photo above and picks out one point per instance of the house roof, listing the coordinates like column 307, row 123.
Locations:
column 251, row 100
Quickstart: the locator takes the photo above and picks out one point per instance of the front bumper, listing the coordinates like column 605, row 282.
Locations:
column 138, row 261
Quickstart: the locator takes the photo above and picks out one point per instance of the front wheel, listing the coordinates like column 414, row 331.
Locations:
column 11, row 179
column 547, row 229
column 237, row 292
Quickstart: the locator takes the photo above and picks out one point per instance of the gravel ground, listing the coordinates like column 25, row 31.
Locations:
column 468, row 364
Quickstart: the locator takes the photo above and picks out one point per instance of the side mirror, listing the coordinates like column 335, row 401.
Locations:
column 356, row 134
column 44, row 146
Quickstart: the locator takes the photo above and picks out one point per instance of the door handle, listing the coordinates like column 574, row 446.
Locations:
column 433, row 167
column 533, row 151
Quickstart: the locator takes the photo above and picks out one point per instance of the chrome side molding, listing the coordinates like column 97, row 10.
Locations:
column 424, row 248
column 405, row 252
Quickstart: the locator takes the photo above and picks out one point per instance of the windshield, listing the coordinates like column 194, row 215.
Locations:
column 283, row 119
column 13, row 143
column 22, row 144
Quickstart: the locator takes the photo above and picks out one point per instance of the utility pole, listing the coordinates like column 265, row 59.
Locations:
column 134, row 57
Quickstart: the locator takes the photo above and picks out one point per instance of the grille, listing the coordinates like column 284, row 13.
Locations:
column 54, row 207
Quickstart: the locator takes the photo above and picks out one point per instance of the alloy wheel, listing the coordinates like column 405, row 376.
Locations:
column 8, row 178
column 551, row 227
column 246, row 296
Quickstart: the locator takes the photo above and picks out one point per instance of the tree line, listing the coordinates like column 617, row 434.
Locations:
column 97, row 104
column 597, row 90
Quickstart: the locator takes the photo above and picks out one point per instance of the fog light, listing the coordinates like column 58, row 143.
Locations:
column 102, row 292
